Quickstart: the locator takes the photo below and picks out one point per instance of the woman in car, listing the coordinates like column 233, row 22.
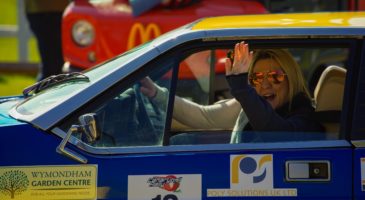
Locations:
column 270, row 95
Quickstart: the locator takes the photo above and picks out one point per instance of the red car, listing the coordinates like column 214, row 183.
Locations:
column 94, row 31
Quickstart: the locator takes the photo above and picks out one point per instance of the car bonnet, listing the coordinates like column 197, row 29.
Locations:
column 5, row 106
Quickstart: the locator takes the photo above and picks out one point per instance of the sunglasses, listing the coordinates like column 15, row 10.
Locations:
column 274, row 77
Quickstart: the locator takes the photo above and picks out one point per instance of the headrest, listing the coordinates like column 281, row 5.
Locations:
column 329, row 91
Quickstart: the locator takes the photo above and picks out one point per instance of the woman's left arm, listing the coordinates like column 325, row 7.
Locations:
column 261, row 115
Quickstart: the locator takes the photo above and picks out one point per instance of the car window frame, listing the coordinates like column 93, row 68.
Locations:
column 350, row 43
column 179, row 53
column 357, row 91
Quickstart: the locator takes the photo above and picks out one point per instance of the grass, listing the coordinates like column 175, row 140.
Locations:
column 8, row 12
column 13, row 84
column 9, row 50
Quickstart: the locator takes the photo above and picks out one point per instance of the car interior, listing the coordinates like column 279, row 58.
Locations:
column 327, row 98
column 327, row 81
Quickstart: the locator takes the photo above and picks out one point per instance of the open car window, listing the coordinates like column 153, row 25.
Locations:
column 200, row 119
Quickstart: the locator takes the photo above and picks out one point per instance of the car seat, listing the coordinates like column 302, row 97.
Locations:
column 328, row 96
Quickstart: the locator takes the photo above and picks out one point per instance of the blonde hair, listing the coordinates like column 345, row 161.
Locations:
column 290, row 67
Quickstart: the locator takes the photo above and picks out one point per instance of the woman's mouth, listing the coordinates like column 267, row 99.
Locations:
column 269, row 97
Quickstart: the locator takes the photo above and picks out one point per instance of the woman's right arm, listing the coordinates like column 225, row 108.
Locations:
column 221, row 115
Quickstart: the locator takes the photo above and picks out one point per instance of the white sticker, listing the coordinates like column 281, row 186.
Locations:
column 165, row 187
column 251, row 175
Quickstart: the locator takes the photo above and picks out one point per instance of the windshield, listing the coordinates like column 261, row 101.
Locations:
column 50, row 97
column 55, row 95
column 99, row 71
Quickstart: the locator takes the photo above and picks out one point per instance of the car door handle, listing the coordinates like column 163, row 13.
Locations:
column 307, row 170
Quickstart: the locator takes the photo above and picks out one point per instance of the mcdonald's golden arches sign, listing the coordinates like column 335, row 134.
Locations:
column 142, row 33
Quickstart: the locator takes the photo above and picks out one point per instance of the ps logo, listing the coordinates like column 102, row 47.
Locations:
column 251, row 171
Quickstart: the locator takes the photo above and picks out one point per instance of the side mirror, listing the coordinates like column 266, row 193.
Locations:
column 90, row 127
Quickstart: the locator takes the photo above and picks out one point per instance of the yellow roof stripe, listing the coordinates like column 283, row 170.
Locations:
column 334, row 19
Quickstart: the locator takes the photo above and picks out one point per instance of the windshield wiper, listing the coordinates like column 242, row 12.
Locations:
column 52, row 81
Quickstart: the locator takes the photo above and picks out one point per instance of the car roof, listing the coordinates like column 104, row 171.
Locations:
column 299, row 20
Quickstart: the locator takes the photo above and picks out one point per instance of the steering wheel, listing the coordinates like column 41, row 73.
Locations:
column 144, row 116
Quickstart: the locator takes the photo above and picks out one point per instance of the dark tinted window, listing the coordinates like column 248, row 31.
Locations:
column 289, row 6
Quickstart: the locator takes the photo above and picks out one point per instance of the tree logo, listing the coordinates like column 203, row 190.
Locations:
column 13, row 182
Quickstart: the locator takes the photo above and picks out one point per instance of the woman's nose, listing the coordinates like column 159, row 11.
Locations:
column 265, row 83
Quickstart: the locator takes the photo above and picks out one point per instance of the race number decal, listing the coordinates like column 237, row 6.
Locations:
column 164, row 187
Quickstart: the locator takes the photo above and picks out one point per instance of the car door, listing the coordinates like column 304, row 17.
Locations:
column 357, row 134
column 143, row 152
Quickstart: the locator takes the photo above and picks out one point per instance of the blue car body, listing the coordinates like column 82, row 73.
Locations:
column 45, row 152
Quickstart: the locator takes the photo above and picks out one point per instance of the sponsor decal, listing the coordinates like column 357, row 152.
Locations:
column 48, row 182
column 251, row 175
column 145, row 34
column 169, row 183
column 164, row 187
column 362, row 166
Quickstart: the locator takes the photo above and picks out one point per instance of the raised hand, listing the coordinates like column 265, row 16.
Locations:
column 241, row 60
